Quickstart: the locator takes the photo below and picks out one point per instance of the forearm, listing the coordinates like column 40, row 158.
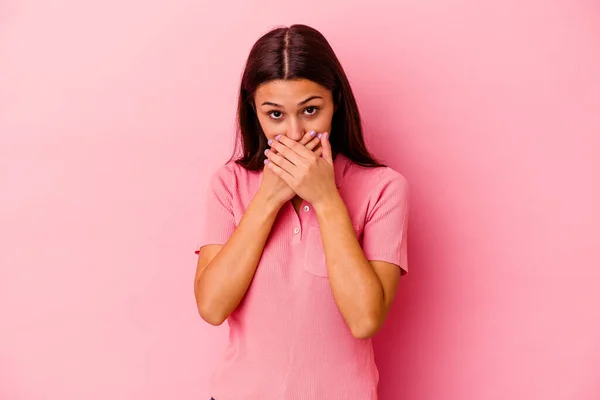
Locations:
column 226, row 278
column 356, row 288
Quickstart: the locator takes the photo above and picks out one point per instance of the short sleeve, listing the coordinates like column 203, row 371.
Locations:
column 385, row 229
column 219, row 220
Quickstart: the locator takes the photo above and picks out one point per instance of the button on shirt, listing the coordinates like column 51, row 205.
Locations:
column 287, row 338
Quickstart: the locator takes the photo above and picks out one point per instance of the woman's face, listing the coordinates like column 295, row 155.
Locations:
column 293, row 108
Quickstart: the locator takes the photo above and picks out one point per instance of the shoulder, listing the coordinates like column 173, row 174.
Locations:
column 383, row 192
column 229, row 170
column 377, row 179
column 231, row 177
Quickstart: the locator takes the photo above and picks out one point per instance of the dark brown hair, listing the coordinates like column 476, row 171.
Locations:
column 294, row 53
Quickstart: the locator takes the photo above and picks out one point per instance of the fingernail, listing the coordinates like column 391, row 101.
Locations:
column 269, row 141
column 312, row 133
column 266, row 151
column 266, row 161
column 319, row 135
column 326, row 134
column 277, row 137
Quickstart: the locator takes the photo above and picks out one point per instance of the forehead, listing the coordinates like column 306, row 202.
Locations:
column 291, row 91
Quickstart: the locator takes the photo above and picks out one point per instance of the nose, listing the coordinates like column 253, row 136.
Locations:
column 295, row 131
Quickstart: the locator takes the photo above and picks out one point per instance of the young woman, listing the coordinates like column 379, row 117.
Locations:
column 305, row 234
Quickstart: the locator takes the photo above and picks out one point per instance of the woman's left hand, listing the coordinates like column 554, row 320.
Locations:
column 310, row 176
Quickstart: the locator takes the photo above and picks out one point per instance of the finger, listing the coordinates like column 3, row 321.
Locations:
column 295, row 147
column 279, row 172
column 326, row 144
column 288, row 153
column 312, row 145
column 280, row 161
column 308, row 136
column 319, row 152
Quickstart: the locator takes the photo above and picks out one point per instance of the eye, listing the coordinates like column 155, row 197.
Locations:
column 312, row 110
column 275, row 114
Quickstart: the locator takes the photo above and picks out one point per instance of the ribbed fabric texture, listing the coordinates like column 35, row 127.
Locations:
column 287, row 338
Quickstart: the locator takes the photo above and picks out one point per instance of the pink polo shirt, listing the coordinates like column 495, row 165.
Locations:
column 288, row 340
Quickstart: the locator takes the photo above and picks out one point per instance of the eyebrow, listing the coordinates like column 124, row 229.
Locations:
column 268, row 103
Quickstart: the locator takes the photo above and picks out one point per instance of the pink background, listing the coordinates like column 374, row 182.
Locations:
column 114, row 113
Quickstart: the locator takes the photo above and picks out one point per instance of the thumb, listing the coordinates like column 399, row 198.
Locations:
column 326, row 144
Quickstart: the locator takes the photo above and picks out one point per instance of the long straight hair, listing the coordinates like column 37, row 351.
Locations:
column 298, row 52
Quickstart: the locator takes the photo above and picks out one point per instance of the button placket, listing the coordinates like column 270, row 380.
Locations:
column 302, row 220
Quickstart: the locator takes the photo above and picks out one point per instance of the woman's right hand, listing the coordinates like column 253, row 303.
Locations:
column 276, row 190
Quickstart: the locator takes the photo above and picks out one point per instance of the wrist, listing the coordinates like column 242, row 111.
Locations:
column 268, row 203
column 328, row 205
